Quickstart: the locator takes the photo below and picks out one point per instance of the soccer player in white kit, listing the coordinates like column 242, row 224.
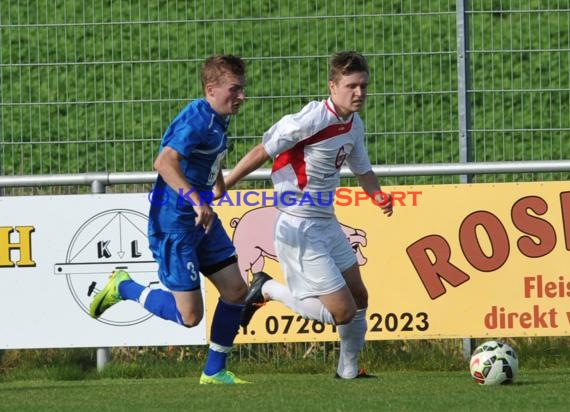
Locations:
column 308, row 149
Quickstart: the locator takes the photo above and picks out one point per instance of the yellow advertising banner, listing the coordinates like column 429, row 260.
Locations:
column 472, row 260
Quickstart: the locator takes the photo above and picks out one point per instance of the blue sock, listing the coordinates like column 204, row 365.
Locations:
column 130, row 290
column 216, row 362
column 162, row 304
column 225, row 326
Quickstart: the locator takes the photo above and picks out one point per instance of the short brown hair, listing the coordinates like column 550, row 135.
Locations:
column 216, row 66
column 345, row 63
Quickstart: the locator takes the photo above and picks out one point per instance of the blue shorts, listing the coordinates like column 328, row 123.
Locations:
column 180, row 256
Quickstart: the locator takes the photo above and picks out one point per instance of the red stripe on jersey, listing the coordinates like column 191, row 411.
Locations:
column 296, row 158
column 331, row 109
column 296, row 155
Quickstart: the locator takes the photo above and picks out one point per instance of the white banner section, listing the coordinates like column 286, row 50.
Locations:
column 55, row 251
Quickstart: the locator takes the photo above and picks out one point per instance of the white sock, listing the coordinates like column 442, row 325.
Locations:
column 310, row 308
column 351, row 343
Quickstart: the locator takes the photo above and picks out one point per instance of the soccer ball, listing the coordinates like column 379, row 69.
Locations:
column 494, row 363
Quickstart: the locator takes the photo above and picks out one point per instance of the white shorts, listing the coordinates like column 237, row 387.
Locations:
column 313, row 253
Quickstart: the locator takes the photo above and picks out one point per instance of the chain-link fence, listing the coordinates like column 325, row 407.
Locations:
column 90, row 86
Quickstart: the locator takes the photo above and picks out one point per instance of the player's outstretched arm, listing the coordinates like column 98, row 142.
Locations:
column 250, row 162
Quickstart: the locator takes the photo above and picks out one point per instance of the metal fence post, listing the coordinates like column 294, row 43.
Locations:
column 103, row 354
column 464, row 111
column 463, row 87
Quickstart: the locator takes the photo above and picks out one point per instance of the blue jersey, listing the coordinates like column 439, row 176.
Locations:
column 199, row 135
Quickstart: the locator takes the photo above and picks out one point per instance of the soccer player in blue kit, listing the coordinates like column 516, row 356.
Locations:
column 185, row 235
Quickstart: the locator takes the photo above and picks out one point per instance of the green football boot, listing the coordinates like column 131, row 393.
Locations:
column 109, row 295
column 223, row 377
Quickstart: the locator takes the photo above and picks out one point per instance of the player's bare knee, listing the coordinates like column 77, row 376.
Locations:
column 345, row 316
column 190, row 320
column 235, row 295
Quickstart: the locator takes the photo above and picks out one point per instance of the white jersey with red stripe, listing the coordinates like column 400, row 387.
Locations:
column 309, row 148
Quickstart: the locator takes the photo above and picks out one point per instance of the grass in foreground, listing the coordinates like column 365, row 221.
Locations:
column 395, row 391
